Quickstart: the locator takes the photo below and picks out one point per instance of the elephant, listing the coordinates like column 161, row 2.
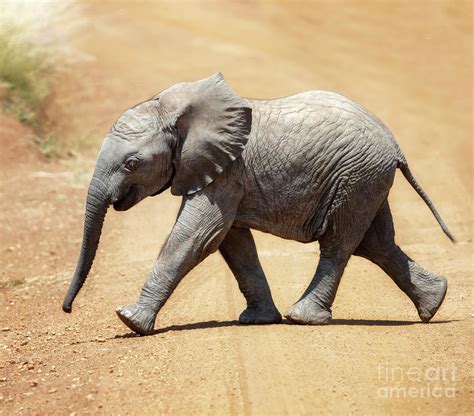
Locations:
column 315, row 166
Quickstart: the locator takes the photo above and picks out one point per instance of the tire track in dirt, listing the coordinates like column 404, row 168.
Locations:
column 243, row 377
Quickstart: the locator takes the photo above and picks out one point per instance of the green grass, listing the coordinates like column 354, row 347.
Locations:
column 48, row 145
column 35, row 46
column 25, row 75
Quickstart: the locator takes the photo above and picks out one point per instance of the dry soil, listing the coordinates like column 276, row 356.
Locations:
column 410, row 63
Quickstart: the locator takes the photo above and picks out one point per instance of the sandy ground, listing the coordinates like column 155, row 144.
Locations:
column 409, row 63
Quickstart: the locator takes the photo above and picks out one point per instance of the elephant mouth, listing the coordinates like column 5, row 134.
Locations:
column 128, row 201
column 167, row 184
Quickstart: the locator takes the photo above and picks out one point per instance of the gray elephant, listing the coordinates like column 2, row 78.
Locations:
column 311, row 167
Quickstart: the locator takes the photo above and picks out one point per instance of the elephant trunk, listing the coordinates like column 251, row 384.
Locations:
column 96, row 208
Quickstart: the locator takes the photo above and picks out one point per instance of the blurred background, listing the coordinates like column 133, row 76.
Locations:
column 402, row 60
column 68, row 69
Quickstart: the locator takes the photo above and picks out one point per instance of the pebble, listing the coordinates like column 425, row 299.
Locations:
column 34, row 383
column 6, row 329
column 52, row 391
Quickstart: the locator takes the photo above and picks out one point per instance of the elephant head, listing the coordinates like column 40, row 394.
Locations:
column 182, row 138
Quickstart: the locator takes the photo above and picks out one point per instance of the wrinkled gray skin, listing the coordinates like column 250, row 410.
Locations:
column 314, row 166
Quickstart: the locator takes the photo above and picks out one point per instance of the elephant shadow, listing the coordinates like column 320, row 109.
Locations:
column 235, row 323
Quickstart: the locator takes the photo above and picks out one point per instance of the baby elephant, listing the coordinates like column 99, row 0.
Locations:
column 311, row 167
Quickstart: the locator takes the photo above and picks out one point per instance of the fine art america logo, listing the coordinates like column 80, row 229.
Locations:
column 415, row 382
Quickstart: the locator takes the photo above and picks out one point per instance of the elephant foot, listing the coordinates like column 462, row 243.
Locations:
column 255, row 315
column 306, row 312
column 430, row 293
column 137, row 318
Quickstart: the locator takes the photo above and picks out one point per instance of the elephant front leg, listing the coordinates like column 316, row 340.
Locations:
column 199, row 230
column 162, row 280
column 240, row 253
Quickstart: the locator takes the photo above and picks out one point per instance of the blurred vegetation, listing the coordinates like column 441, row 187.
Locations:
column 48, row 145
column 35, row 46
column 25, row 75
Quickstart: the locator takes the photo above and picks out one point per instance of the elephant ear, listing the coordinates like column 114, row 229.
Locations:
column 213, row 125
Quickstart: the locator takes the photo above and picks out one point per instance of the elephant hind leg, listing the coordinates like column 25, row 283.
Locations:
column 425, row 289
column 345, row 232
column 314, row 307
column 337, row 246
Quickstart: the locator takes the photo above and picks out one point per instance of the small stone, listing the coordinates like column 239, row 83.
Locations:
column 3, row 379
column 34, row 383
column 100, row 339
column 53, row 369
column 30, row 366
column 53, row 390
column 6, row 329
column 23, row 343
column 90, row 397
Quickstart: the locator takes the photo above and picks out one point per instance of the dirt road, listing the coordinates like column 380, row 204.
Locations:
column 410, row 64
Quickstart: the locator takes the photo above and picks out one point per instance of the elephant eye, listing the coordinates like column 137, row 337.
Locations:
column 131, row 164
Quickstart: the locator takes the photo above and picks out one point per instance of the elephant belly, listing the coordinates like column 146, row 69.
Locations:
column 278, row 229
column 297, row 220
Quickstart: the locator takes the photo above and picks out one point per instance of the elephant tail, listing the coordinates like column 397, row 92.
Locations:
column 403, row 166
